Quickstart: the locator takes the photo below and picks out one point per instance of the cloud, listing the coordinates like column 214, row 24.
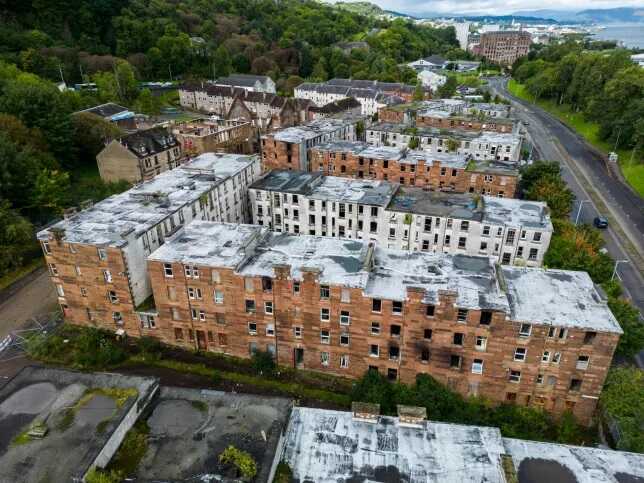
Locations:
column 498, row 7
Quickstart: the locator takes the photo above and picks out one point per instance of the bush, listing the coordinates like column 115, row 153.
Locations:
column 263, row 362
column 97, row 476
column 632, row 340
column 622, row 401
column 241, row 460
column 443, row 404
column 97, row 349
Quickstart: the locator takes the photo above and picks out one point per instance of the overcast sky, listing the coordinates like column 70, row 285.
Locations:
column 497, row 7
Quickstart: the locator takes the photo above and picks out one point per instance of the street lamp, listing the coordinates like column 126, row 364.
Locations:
column 581, row 203
column 617, row 262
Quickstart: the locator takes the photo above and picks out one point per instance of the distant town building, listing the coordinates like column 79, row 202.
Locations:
column 215, row 135
column 253, row 83
column 264, row 110
column 348, row 105
column 504, row 47
column 139, row 156
column 433, row 62
column 431, row 79
column 483, row 145
column 371, row 95
column 514, row 232
column 289, row 148
column 119, row 115
column 638, row 59
column 462, row 33
column 434, row 171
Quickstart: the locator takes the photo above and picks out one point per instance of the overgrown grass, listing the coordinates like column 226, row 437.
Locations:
column 119, row 395
column 23, row 271
column 292, row 389
column 284, row 474
column 22, row 438
column 132, row 450
column 633, row 171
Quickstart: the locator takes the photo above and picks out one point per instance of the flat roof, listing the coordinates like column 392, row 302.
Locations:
column 514, row 212
column 339, row 262
column 310, row 130
column 558, row 463
column 190, row 428
column 328, row 446
column 415, row 200
column 43, row 397
column 472, row 136
column 557, row 297
column 204, row 243
column 564, row 298
column 331, row 188
column 140, row 208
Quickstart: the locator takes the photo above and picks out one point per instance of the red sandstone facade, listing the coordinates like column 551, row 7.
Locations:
column 423, row 174
column 280, row 154
column 465, row 123
column 225, row 312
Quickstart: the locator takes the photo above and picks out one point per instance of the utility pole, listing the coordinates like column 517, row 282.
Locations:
column 617, row 262
column 170, row 71
column 581, row 203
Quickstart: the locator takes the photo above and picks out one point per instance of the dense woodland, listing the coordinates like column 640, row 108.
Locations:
column 604, row 85
column 283, row 39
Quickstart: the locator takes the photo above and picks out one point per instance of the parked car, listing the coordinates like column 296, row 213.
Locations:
column 600, row 222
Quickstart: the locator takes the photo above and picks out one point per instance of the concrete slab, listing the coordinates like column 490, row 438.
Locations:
column 81, row 430
column 190, row 428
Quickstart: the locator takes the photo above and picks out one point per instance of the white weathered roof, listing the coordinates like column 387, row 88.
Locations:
column 544, row 462
column 311, row 130
column 339, row 262
column 325, row 446
column 557, row 297
column 211, row 244
column 139, row 209
column 513, row 212
column 534, row 295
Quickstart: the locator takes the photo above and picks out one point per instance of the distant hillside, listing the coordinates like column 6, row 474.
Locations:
column 613, row 15
column 610, row 15
column 361, row 8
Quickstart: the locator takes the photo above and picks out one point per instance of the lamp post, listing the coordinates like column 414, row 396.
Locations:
column 581, row 203
column 617, row 262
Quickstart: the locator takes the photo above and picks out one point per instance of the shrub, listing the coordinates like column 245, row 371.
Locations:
column 241, row 460
column 263, row 362
column 97, row 349
column 622, row 401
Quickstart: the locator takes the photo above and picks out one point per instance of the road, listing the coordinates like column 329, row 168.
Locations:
column 36, row 298
column 584, row 171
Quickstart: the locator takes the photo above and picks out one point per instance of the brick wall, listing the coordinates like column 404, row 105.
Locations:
column 465, row 124
column 279, row 154
column 435, row 176
column 418, row 343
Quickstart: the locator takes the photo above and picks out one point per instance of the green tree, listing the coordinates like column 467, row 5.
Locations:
column 555, row 193
column 223, row 62
column 319, row 72
column 241, row 460
column 622, row 401
column 51, row 191
column 419, row 93
column 16, row 238
column 39, row 104
column 632, row 340
column 448, row 89
column 91, row 133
